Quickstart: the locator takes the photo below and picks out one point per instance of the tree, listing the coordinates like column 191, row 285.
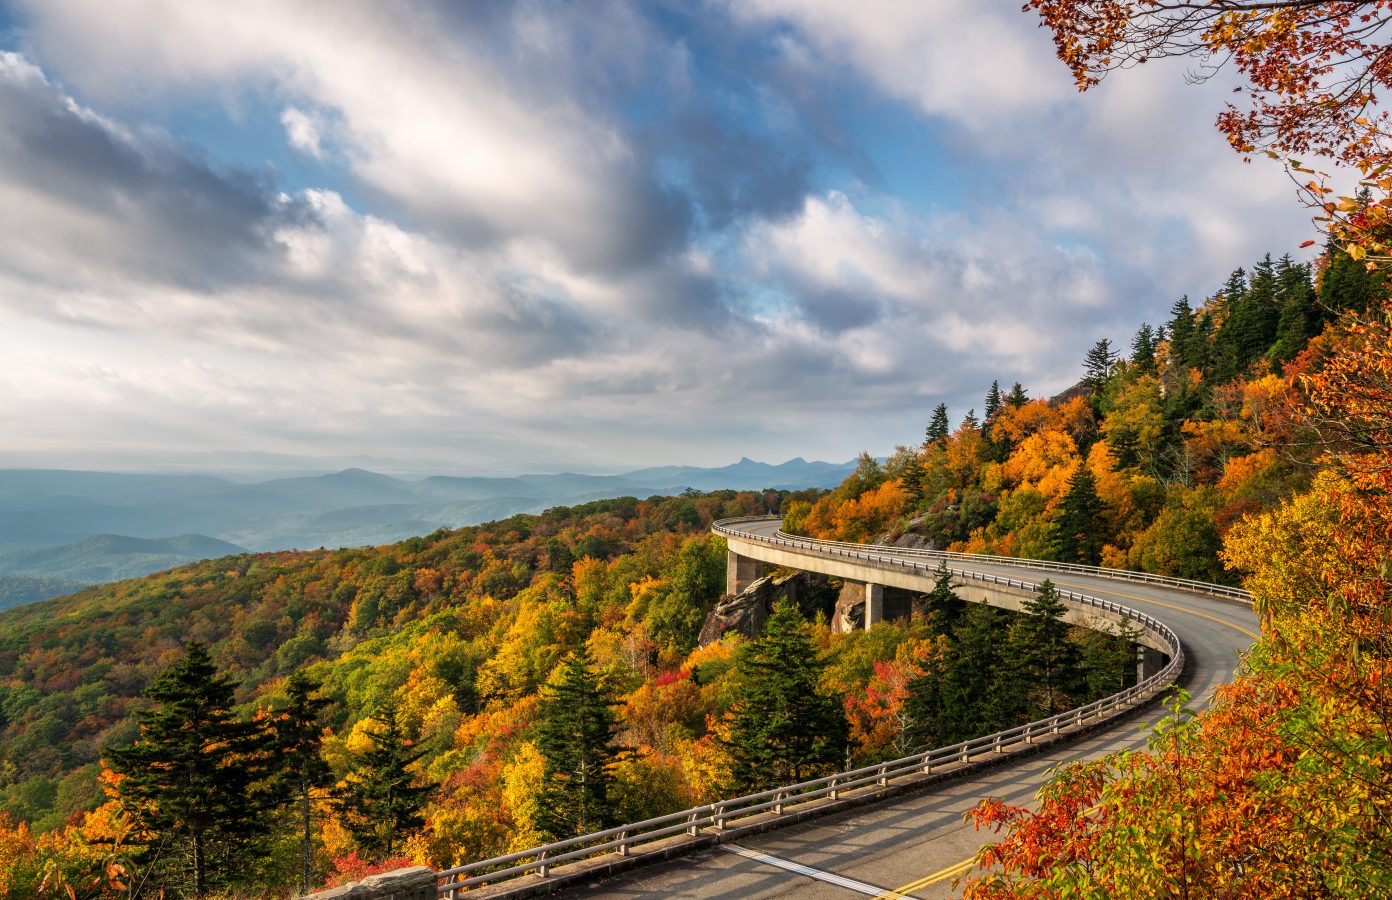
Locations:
column 296, row 742
column 783, row 728
column 970, row 422
column 1017, row 396
column 380, row 799
column 993, row 401
column 190, row 777
column 937, row 427
column 969, row 706
column 1039, row 645
column 576, row 736
column 943, row 600
column 1079, row 527
column 1143, row 347
column 1098, row 365
column 1315, row 70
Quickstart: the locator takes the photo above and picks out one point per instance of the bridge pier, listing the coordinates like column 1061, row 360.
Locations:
column 741, row 572
column 874, row 604
column 1148, row 662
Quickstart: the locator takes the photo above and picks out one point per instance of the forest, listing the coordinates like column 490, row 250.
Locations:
column 452, row 671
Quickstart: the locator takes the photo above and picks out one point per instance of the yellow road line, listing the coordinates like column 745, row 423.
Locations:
column 1183, row 609
column 940, row 875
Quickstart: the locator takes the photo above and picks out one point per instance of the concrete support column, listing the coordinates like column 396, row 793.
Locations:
column 1148, row 662
column 874, row 604
column 741, row 572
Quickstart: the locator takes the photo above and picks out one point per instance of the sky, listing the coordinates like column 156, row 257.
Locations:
column 511, row 237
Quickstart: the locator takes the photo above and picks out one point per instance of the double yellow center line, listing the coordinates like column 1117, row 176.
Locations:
column 899, row 893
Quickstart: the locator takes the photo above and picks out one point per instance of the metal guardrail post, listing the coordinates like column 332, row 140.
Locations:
column 542, row 868
column 623, row 843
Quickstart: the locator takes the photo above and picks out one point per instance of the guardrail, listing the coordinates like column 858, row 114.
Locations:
column 1185, row 584
column 722, row 815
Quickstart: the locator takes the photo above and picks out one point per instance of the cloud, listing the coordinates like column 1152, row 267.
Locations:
column 304, row 130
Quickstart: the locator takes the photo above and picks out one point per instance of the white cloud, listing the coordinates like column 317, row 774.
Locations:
column 304, row 130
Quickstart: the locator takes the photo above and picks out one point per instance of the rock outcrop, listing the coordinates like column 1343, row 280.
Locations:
column 747, row 611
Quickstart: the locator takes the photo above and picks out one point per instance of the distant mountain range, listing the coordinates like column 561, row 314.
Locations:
column 62, row 529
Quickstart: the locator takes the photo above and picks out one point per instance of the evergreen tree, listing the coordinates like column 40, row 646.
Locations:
column 783, row 728
column 969, row 421
column 1108, row 659
column 924, row 709
column 937, row 426
column 1143, row 349
column 1185, row 346
column 969, row 707
column 1039, row 643
column 1017, row 397
column 1078, row 529
column 379, row 800
column 1300, row 318
column 190, row 777
column 993, row 401
column 912, row 477
column 296, row 745
column 1098, row 365
column 943, row 600
column 576, row 735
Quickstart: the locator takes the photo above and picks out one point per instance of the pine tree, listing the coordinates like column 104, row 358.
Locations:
column 968, row 706
column 296, row 745
column 1017, row 397
column 783, row 728
column 1098, row 365
column 1143, row 349
column 969, row 422
column 912, row 477
column 993, row 401
column 937, row 427
column 924, row 709
column 1078, row 529
column 943, row 600
column 576, row 735
column 380, row 800
column 1039, row 642
column 190, row 776
column 1109, row 659
column 1184, row 342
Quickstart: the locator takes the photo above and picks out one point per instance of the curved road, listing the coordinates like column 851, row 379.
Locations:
column 916, row 845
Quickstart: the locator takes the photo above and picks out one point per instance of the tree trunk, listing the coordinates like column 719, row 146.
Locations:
column 200, row 878
column 306, row 847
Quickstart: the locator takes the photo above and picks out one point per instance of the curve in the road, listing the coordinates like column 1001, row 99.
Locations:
column 915, row 844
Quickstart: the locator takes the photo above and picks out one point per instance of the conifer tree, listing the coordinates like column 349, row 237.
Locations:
column 784, row 727
column 1017, row 396
column 993, row 401
column 380, row 799
column 937, row 426
column 576, row 736
column 191, row 774
column 296, row 745
column 1109, row 659
column 970, row 421
column 943, row 600
column 1143, row 349
column 1098, row 365
column 1184, row 341
column 923, row 708
column 1078, row 530
column 968, row 704
column 1039, row 641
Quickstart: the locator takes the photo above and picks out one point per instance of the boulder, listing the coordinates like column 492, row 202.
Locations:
column 747, row 611
column 850, row 608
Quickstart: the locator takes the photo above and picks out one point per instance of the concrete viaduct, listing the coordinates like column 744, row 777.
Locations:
column 879, row 831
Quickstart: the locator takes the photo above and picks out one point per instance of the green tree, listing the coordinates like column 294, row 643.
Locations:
column 191, row 775
column 1017, row 396
column 924, row 709
column 970, row 422
column 296, row 744
column 1098, row 365
column 969, row 707
column 1143, row 349
column 380, row 799
column 576, row 736
column 1078, row 529
column 942, row 600
column 1108, row 658
column 937, row 426
column 783, row 728
column 993, row 402
column 1039, row 645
